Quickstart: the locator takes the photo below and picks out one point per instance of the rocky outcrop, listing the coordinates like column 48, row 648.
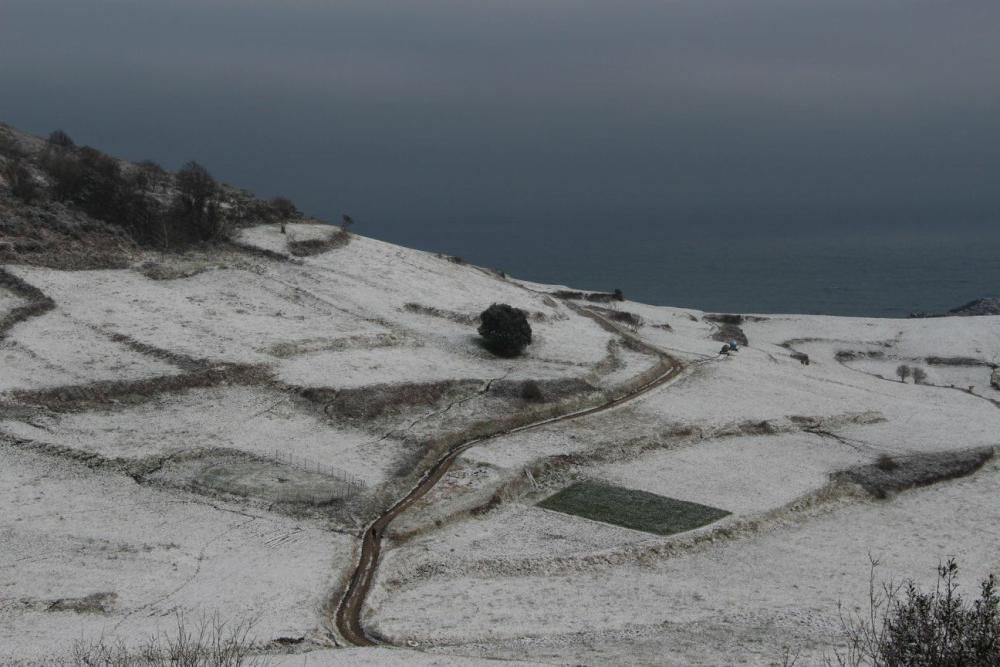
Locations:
column 989, row 305
column 984, row 306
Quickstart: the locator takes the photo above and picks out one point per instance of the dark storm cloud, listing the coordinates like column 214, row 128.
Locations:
column 661, row 115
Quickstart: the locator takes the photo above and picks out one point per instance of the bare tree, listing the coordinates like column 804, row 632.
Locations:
column 919, row 375
column 195, row 201
column 155, row 175
column 903, row 371
column 21, row 182
column 284, row 208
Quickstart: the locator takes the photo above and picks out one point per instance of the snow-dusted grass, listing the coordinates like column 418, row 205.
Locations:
column 70, row 532
column 959, row 377
column 224, row 315
column 56, row 349
column 367, row 320
column 386, row 657
column 256, row 420
column 269, row 237
column 9, row 301
column 976, row 337
column 337, row 320
column 733, row 601
column 744, row 475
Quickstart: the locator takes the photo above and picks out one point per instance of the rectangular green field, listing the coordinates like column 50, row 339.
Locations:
column 638, row 510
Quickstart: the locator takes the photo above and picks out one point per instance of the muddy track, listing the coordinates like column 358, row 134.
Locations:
column 347, row 616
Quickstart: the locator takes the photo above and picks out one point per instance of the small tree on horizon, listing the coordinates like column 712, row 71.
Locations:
column 903, row 371
column 195, row 204
column 59, row 139
column 284, row 208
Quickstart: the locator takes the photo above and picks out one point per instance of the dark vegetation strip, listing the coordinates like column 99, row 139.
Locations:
column 101, row 394
column 891, row 475
column 958, row 361
column 596, row 297
column 257, row 251
column 182, row 361
column 38, row 302
column 309, row 247
column 631, row 508
column 728, row 327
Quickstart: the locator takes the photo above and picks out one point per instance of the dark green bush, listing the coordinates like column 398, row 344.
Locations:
column 505, row 330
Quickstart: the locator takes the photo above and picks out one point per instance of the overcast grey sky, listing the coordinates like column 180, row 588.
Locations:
column 437, row 121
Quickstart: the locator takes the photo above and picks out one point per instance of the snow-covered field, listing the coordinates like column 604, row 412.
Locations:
column 733, row 601
column 364, row 355
column 746, row 434
column 249, row 419
column 56, row 349
column 70, row 532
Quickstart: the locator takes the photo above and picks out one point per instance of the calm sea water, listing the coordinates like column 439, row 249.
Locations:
column 879, row 275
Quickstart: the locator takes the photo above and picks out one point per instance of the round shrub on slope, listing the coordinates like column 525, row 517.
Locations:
column 505, row 330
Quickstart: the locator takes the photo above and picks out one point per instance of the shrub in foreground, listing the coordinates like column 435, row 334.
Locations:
column 505, row 330
column 907, row 627
column 211, row 642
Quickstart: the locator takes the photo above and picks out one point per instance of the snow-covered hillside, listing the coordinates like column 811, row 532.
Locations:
column 211, row 433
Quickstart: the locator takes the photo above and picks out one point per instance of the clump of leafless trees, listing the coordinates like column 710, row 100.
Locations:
column 904, row 371
column 155, row 207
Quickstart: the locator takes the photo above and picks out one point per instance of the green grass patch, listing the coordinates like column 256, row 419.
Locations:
column 638, row 510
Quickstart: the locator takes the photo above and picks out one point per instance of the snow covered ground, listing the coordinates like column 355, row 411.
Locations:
column 69, row 533
column 249, row 419
column 735, row 601
column 56, row 349
column 9, row 301
column 366, row 354
column 747, row 434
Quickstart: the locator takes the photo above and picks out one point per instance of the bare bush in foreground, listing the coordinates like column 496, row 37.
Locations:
column 906, row 627
column 210, row 643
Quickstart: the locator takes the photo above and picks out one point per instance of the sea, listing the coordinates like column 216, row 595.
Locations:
column 884, row 273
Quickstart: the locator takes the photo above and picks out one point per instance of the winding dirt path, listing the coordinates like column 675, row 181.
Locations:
column 347, row 617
